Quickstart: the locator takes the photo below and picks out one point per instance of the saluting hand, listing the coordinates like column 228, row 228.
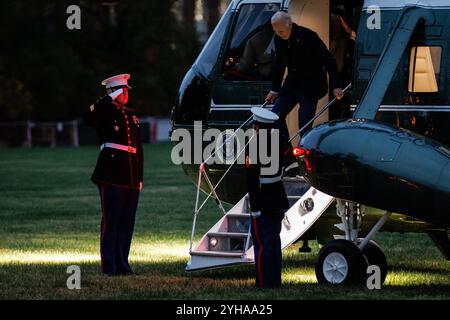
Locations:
column 116, row 93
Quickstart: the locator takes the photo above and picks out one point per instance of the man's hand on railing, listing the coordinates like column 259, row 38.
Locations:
column 271, row 97
column 338, row 93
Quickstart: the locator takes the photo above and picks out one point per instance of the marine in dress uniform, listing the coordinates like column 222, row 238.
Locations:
column 118, row 173
column 268, row 202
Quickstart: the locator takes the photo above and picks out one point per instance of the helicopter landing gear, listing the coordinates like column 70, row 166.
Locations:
column 346, row 261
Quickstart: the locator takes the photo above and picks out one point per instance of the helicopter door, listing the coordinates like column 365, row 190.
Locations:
column 243, row 74
column 313, row 15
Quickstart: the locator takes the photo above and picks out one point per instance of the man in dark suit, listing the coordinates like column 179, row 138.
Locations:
column 306, row 58
column 118, row 174
column 268, row 200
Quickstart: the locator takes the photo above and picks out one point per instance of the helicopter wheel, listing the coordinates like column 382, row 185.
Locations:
column 341, row 262
column 375, row 256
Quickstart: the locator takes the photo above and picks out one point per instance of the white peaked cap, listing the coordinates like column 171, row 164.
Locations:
column 120, row 80
column 263, row 115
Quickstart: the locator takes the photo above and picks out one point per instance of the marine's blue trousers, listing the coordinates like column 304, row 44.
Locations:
column 118, row 215
column 267, row 247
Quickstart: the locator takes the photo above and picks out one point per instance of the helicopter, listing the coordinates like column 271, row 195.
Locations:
column 377, row 162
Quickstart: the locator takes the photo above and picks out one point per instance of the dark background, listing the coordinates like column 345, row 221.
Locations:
column 48, row 72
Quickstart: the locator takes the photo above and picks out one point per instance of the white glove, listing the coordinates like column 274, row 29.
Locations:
column 115, row 94
column 255, row 214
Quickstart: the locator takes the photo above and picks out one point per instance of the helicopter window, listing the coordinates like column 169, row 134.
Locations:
column 208, row 56
column 251, row 51
column 424, row 69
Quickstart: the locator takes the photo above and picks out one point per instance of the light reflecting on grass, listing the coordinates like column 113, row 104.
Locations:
column 141, row 252
column 301, row 276
column 160, row 251
column 44, row 257
column 416, row 278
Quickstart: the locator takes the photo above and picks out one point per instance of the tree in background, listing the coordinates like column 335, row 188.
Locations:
column 51, row 73
column 188, row 13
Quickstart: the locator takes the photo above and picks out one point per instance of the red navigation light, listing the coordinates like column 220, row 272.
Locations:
column 303, row 154
column 300, row 152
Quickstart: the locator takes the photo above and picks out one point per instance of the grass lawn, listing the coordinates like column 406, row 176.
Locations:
column 50, row 219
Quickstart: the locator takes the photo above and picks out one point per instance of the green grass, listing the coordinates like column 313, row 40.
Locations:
column 50, row 216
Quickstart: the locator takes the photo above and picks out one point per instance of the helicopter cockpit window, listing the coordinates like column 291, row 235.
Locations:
column 424, row 69
column 251, row 51
column 208, row 56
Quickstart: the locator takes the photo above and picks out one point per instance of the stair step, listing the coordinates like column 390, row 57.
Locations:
column 217, row 254
column 228, row 234
column 238, row 222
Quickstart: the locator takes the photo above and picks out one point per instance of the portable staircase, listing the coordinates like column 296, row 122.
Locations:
column 229, row 241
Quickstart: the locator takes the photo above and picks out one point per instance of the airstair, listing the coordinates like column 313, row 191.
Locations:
column 229, row 241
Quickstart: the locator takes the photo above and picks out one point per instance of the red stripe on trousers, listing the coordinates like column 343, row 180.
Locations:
column 102, row 189
column 260, row 278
